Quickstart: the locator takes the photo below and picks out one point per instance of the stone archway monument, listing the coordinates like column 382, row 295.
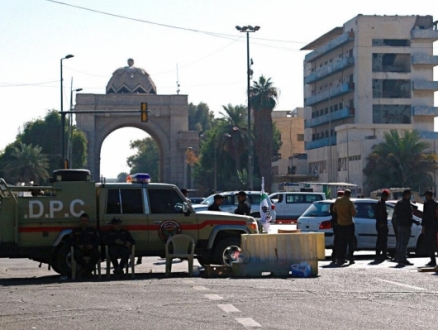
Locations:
column 167, row 124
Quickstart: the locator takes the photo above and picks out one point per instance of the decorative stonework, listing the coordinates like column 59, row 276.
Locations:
column 131, row 79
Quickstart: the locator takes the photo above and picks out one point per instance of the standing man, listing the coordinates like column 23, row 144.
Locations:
column 403, row 212
column 430, row 226
column 345, row 210
column 334, row 222
column 216, row 206
column 382, row 227
column 243, row 207
column 119, row 243
column 85, row 241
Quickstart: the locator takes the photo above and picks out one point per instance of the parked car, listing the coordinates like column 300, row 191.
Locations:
column 196, row 200
column 317, row 218
column 230, row 202
column 289, row 206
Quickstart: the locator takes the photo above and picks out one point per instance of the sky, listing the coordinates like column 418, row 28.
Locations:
column 203, row 42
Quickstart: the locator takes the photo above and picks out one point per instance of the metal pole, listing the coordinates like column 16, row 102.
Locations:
column 250, row 182
column 215, row 165
column 62, row 121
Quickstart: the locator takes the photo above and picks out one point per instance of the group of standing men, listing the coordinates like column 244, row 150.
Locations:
column 343, row 211
column 243, row 207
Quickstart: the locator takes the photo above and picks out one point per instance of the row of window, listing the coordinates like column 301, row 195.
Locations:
column 323, row 135
column 337, row 58
column 321, row 166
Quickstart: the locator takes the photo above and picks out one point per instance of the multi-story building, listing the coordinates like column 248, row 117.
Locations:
column 290, row 165
column 373, row 74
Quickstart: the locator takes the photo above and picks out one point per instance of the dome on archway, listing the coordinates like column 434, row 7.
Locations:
column 131, row 79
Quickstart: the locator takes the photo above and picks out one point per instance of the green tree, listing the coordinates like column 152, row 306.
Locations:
column 26, row 164
column 200, row 117
column 46, row 133
column 121, row 177
column 146, row 159
column 400, row 161
column 264, row 96
column 232, row 134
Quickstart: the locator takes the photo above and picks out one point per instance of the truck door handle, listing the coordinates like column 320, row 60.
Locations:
column 158, row 222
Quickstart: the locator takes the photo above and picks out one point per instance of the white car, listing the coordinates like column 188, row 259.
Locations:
column 230, row 202
column 289, row 206
column 317, row 218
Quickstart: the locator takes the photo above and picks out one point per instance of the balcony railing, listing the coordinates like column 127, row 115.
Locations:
column 429, row 135
column 336, row 115
column 332, row 45
column 424, row 111
column 424, row 34
column 320, row 143
column 422, row 59
column 424, row 85
column 328, row 70
column 334, row 92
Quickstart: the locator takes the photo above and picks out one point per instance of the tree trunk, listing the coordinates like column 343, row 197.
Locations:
column 263, row 135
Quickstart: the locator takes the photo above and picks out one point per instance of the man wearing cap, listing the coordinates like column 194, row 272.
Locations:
column 85, row 240
column 216, row 206
column 382, row 226
column 119, row 242
column 334, row 222
column 430, row 226
column 404, row 219
column 243, row 207
column 345, row 210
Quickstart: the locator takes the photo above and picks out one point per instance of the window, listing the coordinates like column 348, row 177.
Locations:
column 391, row 42
column 383, row 62
column 340, row 105
column 164, row 201
column 300, row 137
column 391, row 114
column 365, row 210
column 391, row 88
column 124, row 201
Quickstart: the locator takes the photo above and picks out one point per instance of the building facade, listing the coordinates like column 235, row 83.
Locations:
column 373, row 74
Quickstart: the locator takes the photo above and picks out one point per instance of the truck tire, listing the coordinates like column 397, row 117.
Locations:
column 61, row 260
column 224, row 250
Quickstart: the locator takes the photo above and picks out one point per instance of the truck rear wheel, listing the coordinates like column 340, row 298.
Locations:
column 226, row 251
column 62, row 260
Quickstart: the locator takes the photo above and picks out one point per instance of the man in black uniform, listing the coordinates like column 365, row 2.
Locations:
column 216, row 206
column 382, row 226
column 85, row 241
column 243, row 207
column 335, row 226
column 119, row 243
column 404, row 219
column 430, row 226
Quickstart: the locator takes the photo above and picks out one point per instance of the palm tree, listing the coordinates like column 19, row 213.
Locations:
column 232, row 134
column 401, row 162
column 26, row 164
column 263, row 99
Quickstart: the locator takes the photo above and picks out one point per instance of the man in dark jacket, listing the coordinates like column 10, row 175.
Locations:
column 382, row 226
column 334, row 222
column 243, row 207
column 85, row 241
column 404, row 213
column 430, row 226
column 119, row 243
column 217, row 202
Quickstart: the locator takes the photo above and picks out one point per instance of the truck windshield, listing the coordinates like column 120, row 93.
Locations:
column 318, row 210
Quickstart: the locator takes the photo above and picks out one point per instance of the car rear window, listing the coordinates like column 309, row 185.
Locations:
column 317, row 210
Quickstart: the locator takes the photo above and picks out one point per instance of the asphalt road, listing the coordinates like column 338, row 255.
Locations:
column 361, row 296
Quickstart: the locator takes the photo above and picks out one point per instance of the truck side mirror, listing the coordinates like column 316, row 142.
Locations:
column 186, row 209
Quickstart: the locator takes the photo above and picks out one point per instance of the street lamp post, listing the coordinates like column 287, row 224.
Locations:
column 247, row 29
column 63, row 115
column 70, row 128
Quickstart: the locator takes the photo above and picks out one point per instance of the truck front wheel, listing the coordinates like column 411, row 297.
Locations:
column 62, row 260
column 226, row 251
